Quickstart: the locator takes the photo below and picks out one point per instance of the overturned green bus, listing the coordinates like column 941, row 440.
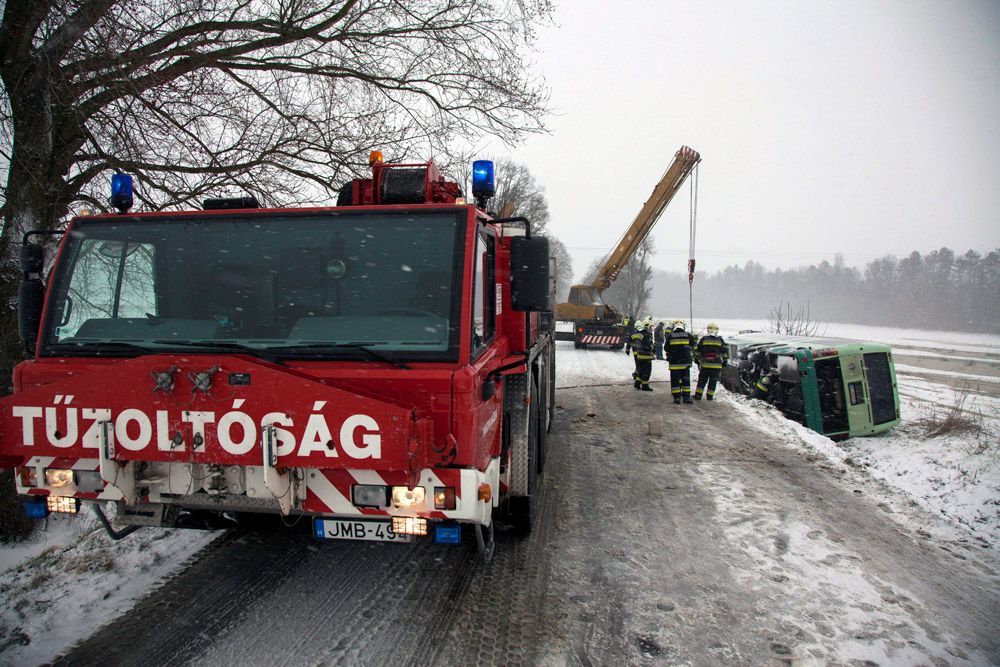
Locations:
column 840, row 388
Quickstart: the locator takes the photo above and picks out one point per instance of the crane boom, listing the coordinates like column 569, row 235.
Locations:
column 598, row 323
column 673, row 178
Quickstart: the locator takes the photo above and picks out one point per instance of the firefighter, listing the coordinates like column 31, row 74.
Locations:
column 710, row 355
column 642, row 346
column 679, row 345
column 629, row 324
column 765, row 388
column 658, row 340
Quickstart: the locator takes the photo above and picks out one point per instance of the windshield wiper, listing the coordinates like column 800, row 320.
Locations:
column 224, row 345
column 364, row 347
column 102, row 346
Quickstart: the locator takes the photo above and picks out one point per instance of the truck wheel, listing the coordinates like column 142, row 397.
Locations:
column 577, row 344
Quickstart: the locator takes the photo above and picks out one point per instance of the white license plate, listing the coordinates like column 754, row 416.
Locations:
column 355, row 529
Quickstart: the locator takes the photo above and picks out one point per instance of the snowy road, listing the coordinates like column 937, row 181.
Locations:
column 713, row 543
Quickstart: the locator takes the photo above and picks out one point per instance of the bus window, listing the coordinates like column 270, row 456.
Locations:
column 880, row 389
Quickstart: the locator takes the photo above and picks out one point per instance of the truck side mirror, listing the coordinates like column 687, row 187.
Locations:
column 530, row 289
column 32, row 258
column 30, row 298
column 30, row 295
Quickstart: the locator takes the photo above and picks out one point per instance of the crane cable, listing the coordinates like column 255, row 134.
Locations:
column 691, row 237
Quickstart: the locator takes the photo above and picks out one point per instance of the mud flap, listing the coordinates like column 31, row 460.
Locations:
column 277, row 482
column 517, row 404
column 120, row 476
column 521, row 403
column 485, row 542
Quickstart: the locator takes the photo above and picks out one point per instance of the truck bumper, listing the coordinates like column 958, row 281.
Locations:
column 310, row 492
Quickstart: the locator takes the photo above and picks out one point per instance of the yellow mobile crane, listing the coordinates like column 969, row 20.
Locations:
column 595, row 322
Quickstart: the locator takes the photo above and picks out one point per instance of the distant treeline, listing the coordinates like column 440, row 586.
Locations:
column 938, row 290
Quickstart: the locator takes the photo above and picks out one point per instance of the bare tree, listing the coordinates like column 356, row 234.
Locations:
column 518, row 193
column 564, row 268
column 631, row 290
column 782, row 320
column 283, row 99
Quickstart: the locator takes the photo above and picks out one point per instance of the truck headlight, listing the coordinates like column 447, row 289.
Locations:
column 368, row 495
column 58, row 479
column 404, row 496
column 89, row 481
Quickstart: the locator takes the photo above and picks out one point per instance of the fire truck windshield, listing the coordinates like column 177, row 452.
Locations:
column 304, row 284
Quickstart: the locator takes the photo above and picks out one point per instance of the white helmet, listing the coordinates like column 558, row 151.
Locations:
column 677, row 324
column 712, row 328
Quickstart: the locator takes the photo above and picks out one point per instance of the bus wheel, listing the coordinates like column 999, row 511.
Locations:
column 730, row 379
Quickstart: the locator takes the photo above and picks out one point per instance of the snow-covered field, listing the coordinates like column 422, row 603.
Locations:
column 72, row 579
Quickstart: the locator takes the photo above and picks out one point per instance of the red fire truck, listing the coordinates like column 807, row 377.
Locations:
column 383, row 368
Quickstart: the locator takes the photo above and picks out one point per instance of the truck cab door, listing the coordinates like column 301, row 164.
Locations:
column 483, row 331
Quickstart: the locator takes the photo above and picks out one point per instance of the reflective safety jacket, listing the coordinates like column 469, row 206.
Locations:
column 762, row 389
column 642, row 344
column 711, row 352
column 679, row 346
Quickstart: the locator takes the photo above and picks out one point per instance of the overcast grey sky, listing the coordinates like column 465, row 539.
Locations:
column 857, row 127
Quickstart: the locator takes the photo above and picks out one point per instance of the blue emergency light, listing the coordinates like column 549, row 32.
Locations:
column 121, row 192
column 482, row 179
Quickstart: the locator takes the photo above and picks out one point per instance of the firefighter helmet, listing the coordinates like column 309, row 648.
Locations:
column 713, row 328
column 677, row 324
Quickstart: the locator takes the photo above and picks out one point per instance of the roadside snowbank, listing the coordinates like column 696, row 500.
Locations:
column 81, row 580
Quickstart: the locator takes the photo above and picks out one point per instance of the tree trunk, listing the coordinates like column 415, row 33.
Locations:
column 33, row 202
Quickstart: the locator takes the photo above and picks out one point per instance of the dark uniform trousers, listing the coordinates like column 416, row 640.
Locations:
column 679, row 344
column 711, row 356
column 642, row 345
